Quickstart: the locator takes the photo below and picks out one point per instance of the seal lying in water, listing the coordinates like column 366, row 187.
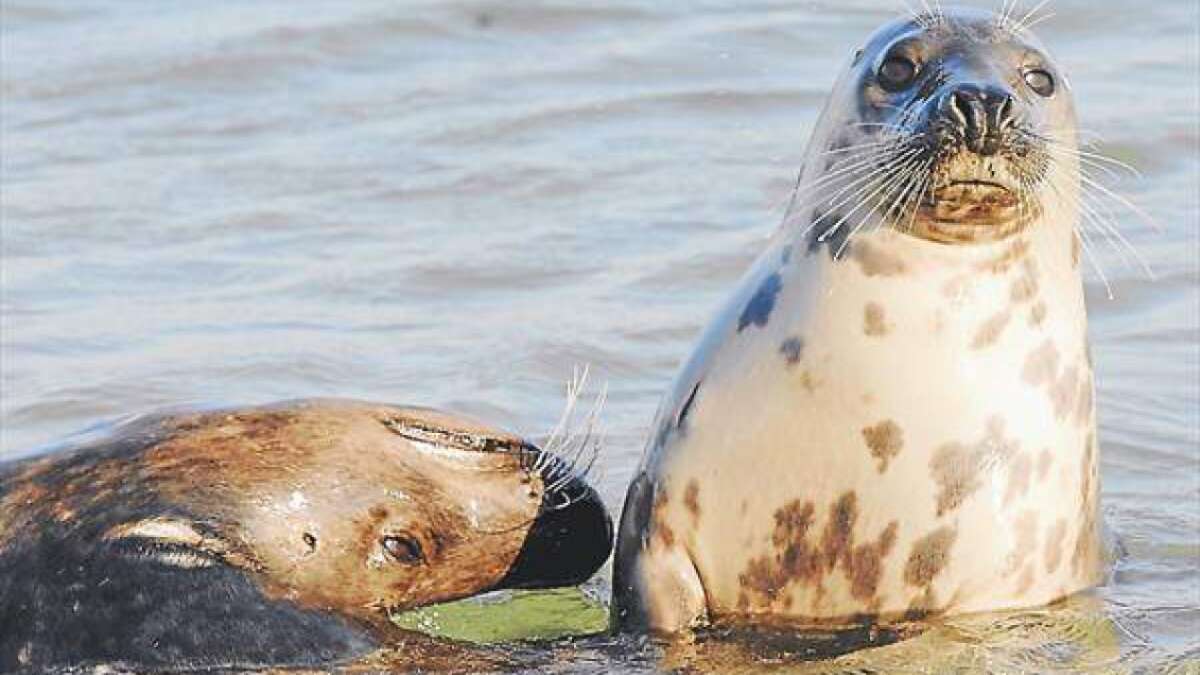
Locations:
column 892, row 417
column 282, row 534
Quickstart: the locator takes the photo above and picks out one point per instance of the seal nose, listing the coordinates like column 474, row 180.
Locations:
column 981, row 114
column 569, row 540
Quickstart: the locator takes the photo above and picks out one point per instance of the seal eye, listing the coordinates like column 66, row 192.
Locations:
column 1040, row 81
column 403, row 549
column 897, row 73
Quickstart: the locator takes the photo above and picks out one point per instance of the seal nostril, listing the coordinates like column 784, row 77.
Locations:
column 1005, row 116
column 960, row 108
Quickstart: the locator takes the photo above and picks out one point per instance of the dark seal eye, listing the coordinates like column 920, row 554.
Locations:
column 403, row 549
column 897, row 73
column 1040, row 81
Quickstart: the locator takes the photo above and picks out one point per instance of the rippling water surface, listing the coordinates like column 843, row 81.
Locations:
column 455, row 202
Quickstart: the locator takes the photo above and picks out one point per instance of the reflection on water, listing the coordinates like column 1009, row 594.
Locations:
column 453, row 202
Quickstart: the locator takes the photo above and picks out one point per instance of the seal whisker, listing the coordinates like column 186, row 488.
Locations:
column 855, row 182
column 1021, row 24
column 873, row 188
column 896, row 180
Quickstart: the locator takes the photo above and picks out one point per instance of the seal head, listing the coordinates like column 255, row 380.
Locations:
column 947, row 126
column 285, row 534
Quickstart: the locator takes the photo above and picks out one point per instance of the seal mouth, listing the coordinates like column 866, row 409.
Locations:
column 972, row 201
column 567, row 542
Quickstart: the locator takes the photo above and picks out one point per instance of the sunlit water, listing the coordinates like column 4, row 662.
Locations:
column 453, row 203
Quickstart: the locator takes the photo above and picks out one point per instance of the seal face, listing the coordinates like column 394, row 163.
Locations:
column 275, row 535
column 892, row 416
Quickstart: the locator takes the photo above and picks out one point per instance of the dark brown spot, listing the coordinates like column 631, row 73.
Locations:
column 956, row 467
column 865, row 566
column 922, row 607
column 691, row 499
column 929, row 556
column 1054, row 545
column 875, row 261
column 797, row 560
column 1018, row 478
column 885, row 440
column 991, row 330
column 839, row 529
column 874, row 320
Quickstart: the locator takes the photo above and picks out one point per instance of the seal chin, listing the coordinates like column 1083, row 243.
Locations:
column 971, row 211
column 569, row 540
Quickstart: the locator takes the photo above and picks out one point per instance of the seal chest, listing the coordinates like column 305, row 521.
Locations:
column 892, row 416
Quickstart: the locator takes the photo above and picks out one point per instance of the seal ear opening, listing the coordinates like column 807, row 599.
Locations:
column 174, row 542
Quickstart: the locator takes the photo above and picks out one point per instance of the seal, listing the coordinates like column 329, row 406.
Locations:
column 275, row 535
column 892, row 417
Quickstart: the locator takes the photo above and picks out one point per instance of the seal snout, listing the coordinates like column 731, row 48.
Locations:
column 979, row 114
column 568, row 541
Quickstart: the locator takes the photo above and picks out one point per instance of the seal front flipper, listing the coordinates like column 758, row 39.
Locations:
column 655, row 584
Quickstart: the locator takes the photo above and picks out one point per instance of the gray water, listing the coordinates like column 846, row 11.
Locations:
column 455, row 202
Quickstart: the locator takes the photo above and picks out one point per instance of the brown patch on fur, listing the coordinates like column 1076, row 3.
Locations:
column 1075, row 250
column 797, row 560
column 1037, row 314
column 955, row 467
column 1025, row 582
column 922, row 607
column 991, row 330
column 839, row 530
column 865, row 565
column 1045, row 459
column 875, row 320
column 1085, row 402
column 1063, row 385
column 876, row 261
column 1006, row 259
column 1054, row 545
column 1023, row 289
column 885, row 440
column 929, row 556
column 1063, row 392
column 663, row 531
column 1025, row 529
column 1086, row 557
column 1041, row 366
column 1018, row 478
column 691, row 499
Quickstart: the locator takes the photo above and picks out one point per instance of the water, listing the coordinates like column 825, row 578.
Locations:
column 453, row 203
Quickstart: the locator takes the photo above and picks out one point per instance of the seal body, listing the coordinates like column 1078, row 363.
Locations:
column 892, row 417
column 280, row 535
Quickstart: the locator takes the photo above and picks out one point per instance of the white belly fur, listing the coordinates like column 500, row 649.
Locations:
column 965, row 367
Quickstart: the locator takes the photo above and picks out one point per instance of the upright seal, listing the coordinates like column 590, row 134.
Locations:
column 893, row 415
column 279, row 535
